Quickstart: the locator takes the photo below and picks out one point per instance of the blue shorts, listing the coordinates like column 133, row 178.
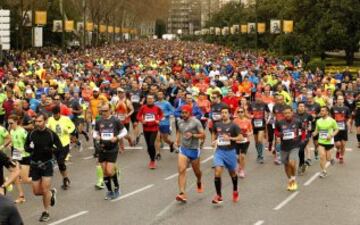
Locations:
column 164, row 129
column 225, row 158
column 192, row 154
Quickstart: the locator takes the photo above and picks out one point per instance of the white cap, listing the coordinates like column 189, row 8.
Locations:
column 96, row 89
column 28, row 91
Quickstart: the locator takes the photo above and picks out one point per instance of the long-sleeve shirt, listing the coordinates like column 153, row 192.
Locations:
column 167, row 110
column 41, row 144
column 150, row 116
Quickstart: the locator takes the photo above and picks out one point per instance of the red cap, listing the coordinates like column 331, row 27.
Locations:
column 186, row 108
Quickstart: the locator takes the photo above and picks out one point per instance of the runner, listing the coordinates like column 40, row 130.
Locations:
column 18, row 137
column 258, row 112
column 150, row 115
column 107, row 133
column 342, row 116
column 137, row 99
column 224, row 136
column 63, row 127
column 287, row 132
column 188, row 140
column 123, row 110
column 278, row 110
column 327, row 129
column 306, row 119
column 242, row 147
column 357, row 118
column 164, row 125
column 313, row 109
column 41, row 143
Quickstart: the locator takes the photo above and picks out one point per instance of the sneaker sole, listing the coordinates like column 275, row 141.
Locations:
column 181, row 199
column 53, row 197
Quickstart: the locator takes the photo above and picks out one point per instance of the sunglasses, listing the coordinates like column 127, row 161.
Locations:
column 240, row 111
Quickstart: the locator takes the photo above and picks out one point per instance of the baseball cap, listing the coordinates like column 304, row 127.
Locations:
column 186, row 108
column 96, row 89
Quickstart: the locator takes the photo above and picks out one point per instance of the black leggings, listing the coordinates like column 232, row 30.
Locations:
column 302, row 153
column 270, row 133
column 150, row 137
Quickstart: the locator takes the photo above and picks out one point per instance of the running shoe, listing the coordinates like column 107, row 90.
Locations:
column 20, row 200
column 45, row 216
column 68, row 157
column 235, row 196
column 323, row 174
column 200, row 188
column 290, row 186
column 181, row 198
column 241, row 173
column 316, row 153
column 294, row 186
column 308, row 162
column 277, row 161
column 332, row 162
column 217, row 200
column 152, row 165
column 66, row 183
column 53, row 197
column 109, row 195
column 304, row 168
column 116, row 194
column 172, row 149
column 158, row 157
column 337, row 154
column 99, row 186
column 261, row 161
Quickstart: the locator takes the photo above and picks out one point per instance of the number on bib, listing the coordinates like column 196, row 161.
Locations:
column 288, row 135
column 341, row 125
column 222, row 142
column 107, row 136
column 16, row 154
column 323, row 134
column 149, row 117
column 258, row 123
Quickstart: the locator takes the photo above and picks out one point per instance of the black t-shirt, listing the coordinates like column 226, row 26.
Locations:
column 258, row 112
column 306, row 119
column 216, row 111
column 289, row 133
column 9, row 215
column 341, row 115
column 136, row 97
column 278, row 112
column 41, row 144
column 4, row 161
column 107, row 129
column 230, row 129
column 313, row 110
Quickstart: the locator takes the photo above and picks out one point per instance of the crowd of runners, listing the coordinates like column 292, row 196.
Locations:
column 53, row 102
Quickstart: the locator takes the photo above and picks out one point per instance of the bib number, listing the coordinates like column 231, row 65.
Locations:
column 288, row 135
column 121, row 117
column 135, row 98
column 16, row 154
column 341, row 125
column 323, row 134
column 216, row 116
column 107, row 136
column 258, row 123
column 149, row 117
column 222, row 142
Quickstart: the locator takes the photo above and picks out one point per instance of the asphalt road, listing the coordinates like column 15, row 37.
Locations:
column 148, row 196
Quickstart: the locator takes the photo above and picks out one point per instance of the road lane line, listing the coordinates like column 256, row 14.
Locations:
column 69, row 218
column 349, row 149
column 89, row 157
column 133, row 148
column 176, row 174
column 316, row 175
column 286, row 201
column 133, row 193
column 260, row 222
column 308, row 182
column 207, row 159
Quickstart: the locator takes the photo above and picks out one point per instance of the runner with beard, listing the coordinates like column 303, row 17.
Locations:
column 306, row 120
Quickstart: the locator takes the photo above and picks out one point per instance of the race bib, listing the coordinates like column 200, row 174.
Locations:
column 245, row 140
column 135, row 98
column 107, row 136
column 222, row 142
column 341, row 125
column 258, row 123
column 288, row 135
column 149, row 117
column 121, row 117
column 323, row 134
column 216, row 116
column 16, row 154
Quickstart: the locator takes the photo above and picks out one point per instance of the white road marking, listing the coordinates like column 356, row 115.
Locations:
column 308, row 182
column 91, row 147
column 176, row 174
column 286, row 201
column 89, row 157
column 69, row 218
column 260, row 222
column 349, row 149
column 207, row 159
column 316, row 175
column 133, row 148
column 133, row 193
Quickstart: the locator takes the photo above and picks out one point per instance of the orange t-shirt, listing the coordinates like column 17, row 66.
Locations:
column 122, row 111
column 245, row 127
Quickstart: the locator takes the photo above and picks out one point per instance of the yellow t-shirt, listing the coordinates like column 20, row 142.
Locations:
column 62, row 127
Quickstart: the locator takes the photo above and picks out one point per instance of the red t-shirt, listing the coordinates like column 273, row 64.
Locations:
column 150, row 117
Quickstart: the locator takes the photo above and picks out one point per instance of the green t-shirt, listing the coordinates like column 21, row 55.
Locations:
column 2, row 99
column 326, row 127
column 3, row 134
column 18, row 137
